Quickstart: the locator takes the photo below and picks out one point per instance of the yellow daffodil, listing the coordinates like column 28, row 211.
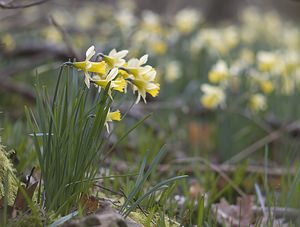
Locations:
column 93, row 67
column 158, row 46
column 213, row 96
column 135, row 66
column 219, row 72
column 187, row 19
column 85, row 65
column 126, row 19
column 134, row 62
column 173, row 71
column 114, row 72
column 115, row 58
column 266, row 61
column 266, row 86
column 123, row 73
column 151, row 22
column 112, row 116
column 115, row 84
column 145, row 84
column 257, row 102
column 8, row 42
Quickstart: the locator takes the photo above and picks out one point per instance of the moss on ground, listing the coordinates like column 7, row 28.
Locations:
column 7, row 176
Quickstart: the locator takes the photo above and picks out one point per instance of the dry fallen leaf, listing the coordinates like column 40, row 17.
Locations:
column 235, row 215
column 90, row 204
column 20, row 201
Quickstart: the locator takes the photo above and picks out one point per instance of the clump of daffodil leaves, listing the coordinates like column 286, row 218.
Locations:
column 68, row 130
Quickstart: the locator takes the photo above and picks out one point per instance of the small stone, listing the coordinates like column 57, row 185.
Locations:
column 121, row 223
column 92, row 220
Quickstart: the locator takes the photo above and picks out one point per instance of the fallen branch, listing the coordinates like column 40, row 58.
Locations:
column 275, row 135
column 276, row 212
column 222, row 174
column 229, row 168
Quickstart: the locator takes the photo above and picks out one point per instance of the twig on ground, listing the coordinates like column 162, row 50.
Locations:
column 230, row 168
column 216, row 168
column 277, row 212
column 262, row 142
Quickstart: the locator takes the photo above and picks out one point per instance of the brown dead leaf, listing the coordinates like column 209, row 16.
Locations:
column 245, row 213
column 90, row 204
column 20, row 201
column 235, row 215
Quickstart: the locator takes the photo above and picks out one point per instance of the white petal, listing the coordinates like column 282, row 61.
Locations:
column 205, row 88
column 151, row 86
column 112, row 53
column 134, row 62
column 143, row 59
column 112, row 74
column 151, row 75
column 121, row 54
column 120, row 62
column 90, row 52
column 145, row 69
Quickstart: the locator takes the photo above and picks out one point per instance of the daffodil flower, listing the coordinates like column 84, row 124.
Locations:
column 113, row 71
column 85, row 65
column 213, row 96
column 114, row 58
column 187, row 19
column 219, row 72
column 266, row 86
column 145, row 84
column 267, row 60
column 136, row 68
column 93, row 67
column 134, row 62
column 257, row 102
column 112, row 116
column 116, row 84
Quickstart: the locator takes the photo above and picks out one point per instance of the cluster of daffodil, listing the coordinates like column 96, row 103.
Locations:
column 112, row 70
column 266, row 73
column 156, row 34
column 262, row 50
